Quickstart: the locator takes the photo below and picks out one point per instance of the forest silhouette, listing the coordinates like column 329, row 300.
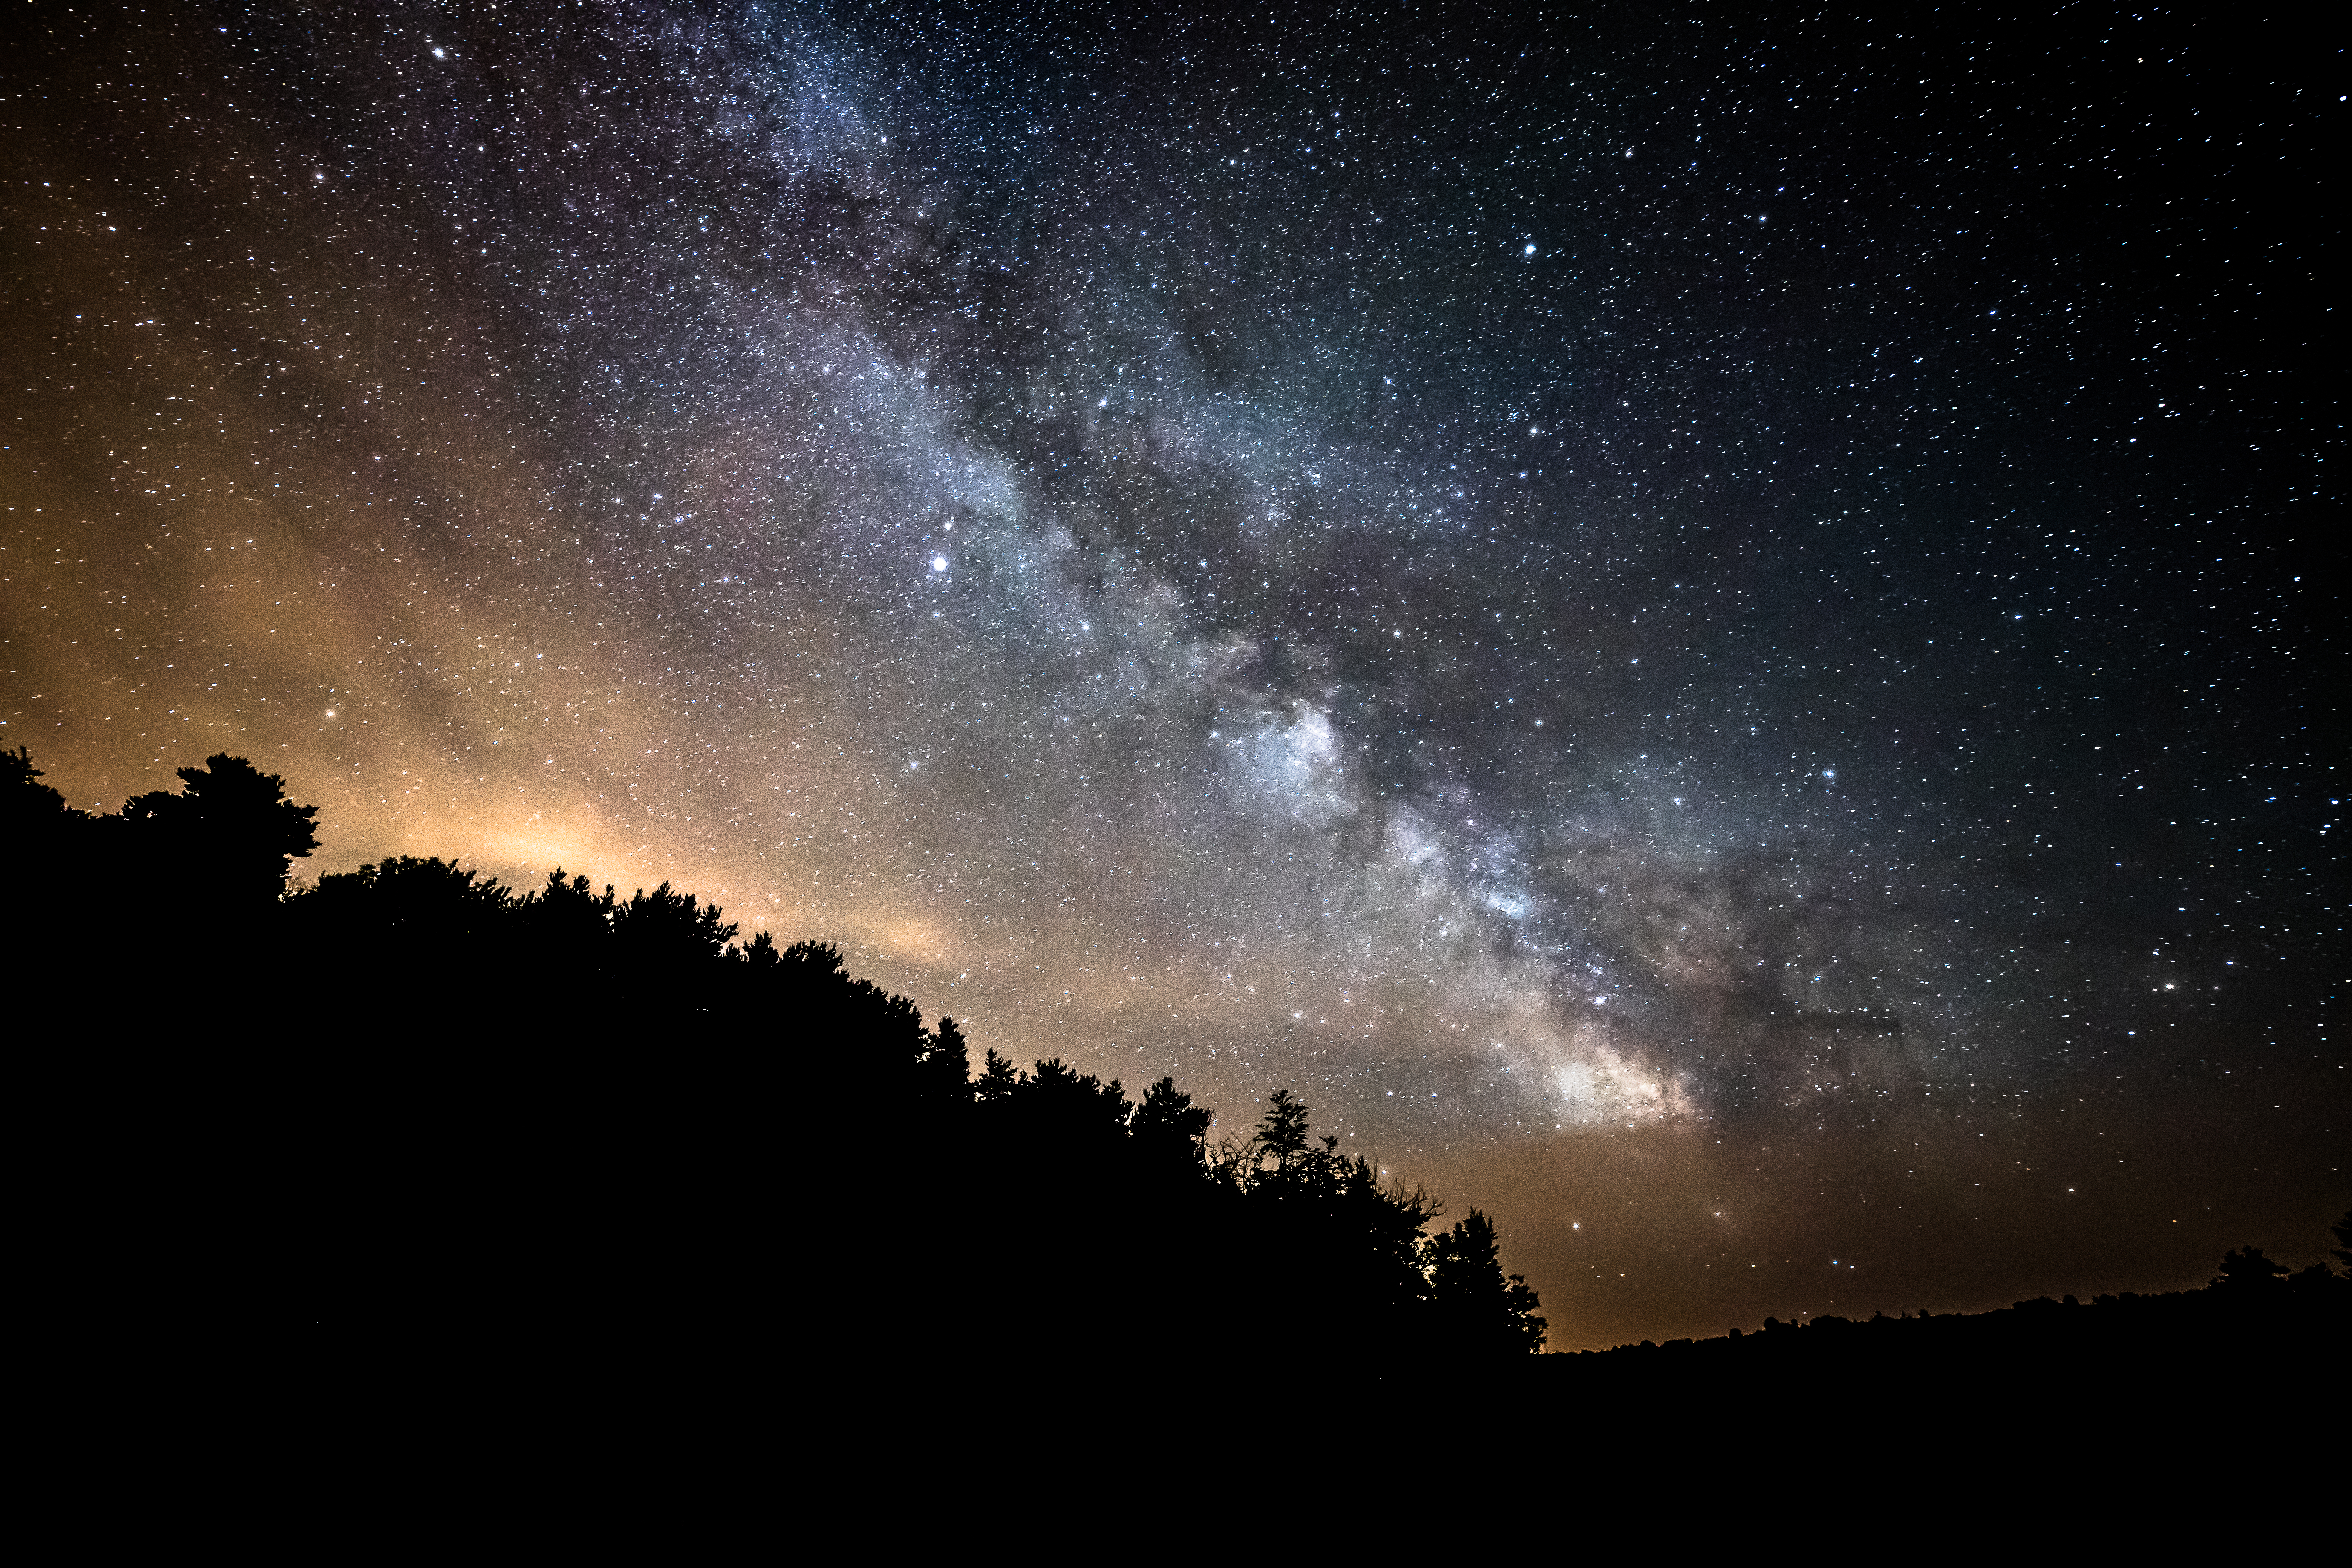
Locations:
column 409, row 1087
column 408, row 1094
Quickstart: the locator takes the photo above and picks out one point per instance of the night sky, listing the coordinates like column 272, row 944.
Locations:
column 1708, row 632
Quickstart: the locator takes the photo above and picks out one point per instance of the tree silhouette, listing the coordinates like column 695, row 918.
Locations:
column 26, row 805
column 943, row 1068
column 1075, row 1113
column 567, row 915
column 1282, row 1136
column 432, row 897
column 38, row 830
column 230, row 826
column 1168, row 1128
column 2245, row 1268
column 1479, row 1311
column 997, row 1080
column 665, row 943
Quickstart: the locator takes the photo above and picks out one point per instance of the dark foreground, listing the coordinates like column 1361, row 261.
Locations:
column 410, row 1134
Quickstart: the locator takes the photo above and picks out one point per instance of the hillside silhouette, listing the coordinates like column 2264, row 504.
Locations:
column 409, row 1093
column 409, row 1104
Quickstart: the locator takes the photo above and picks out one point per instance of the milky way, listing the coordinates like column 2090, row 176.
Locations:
column 1600, row 601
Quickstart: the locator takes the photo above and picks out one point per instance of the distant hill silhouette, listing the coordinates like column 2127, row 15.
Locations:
column 2254, row 1310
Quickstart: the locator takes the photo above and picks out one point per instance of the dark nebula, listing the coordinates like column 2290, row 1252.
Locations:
column 1708, row 632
